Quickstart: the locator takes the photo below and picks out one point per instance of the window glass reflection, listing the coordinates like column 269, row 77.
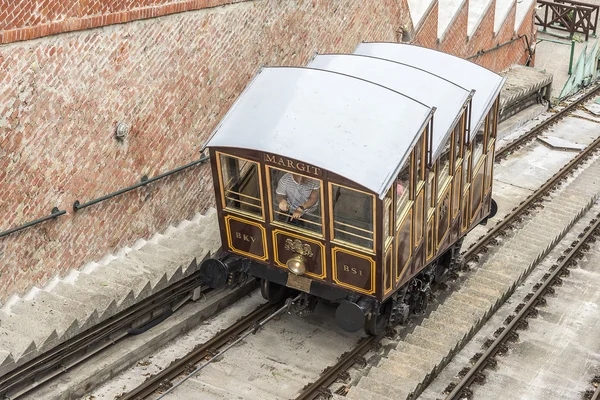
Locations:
column 403, row 189
column 352, row 216
column 240, row 184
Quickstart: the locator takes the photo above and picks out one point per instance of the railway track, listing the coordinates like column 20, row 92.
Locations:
column 76, row 350
column 478, row 297
column 209, row 350
column 595, row 394
column 266, row 363
column 527, row 309
column 133, row 320
column 532, row 134
column 562, row 211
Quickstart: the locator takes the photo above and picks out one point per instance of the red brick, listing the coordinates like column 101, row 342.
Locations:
column 427, row 33
column 70, row 90
column 172, row 80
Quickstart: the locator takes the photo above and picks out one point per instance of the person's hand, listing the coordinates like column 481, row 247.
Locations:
column 297, row 214
column 283, row 205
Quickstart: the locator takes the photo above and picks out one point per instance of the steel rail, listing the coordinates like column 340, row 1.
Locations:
column 565, row 170
column 205, row 350
column 596, row 395
column 482, row 362
column 59, row 358
column 53, row 214
column 250, row 331
column 331, row 374
column 512, row 146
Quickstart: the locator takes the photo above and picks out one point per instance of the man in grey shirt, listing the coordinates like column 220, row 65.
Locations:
column 297, row 194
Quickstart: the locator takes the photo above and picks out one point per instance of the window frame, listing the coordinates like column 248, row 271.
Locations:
column 390, row 210
column 297, row 229
column 440, row 186
column 458, row 136
column 411, row 192
column 342, row 242
column 475, row 163
column 224, row 206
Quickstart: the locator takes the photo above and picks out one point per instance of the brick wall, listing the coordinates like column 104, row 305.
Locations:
column 483, row 36
column 454, row 40
column 171, row 79
column 29, row 19
column 501, row 58
column 427, row 34
column 529, row 29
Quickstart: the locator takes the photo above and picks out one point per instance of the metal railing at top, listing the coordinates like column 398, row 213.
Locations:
column 567, row 15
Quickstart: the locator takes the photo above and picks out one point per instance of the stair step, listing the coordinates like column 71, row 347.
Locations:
column 175, row 257
column 7, row 362
column 358, row 393
column 377, row 383
column 22, row 335
column 108, row 287
column 77, row 311
column 43, row 314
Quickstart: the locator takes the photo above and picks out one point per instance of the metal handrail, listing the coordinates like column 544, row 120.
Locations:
column 145, row 181
column 54, row 214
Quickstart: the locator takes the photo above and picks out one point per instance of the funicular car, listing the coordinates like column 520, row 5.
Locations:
column 355, row 178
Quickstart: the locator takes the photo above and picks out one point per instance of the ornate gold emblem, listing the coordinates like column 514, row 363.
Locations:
column 298, row 247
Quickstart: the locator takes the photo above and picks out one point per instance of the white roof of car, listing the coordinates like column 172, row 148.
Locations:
column 486, row 84
column 358, row 115
column 423, row 86
column 349, row 126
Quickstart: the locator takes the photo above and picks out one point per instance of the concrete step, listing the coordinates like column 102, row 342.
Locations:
column 44, row 314
column 503, row 10
column 358, row 393
column 382, row 383
column 160, row 272
column 478, row 11
column 94, row 302
column 419, row 9
column 6, row 360
column 452, row 332
column 447, row 13
column 411, row 359
column 76, row 302
column 20, row 336
column 523, row 7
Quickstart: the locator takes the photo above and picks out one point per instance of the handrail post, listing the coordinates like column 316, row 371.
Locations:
column 596, row 20
column 571, row 57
